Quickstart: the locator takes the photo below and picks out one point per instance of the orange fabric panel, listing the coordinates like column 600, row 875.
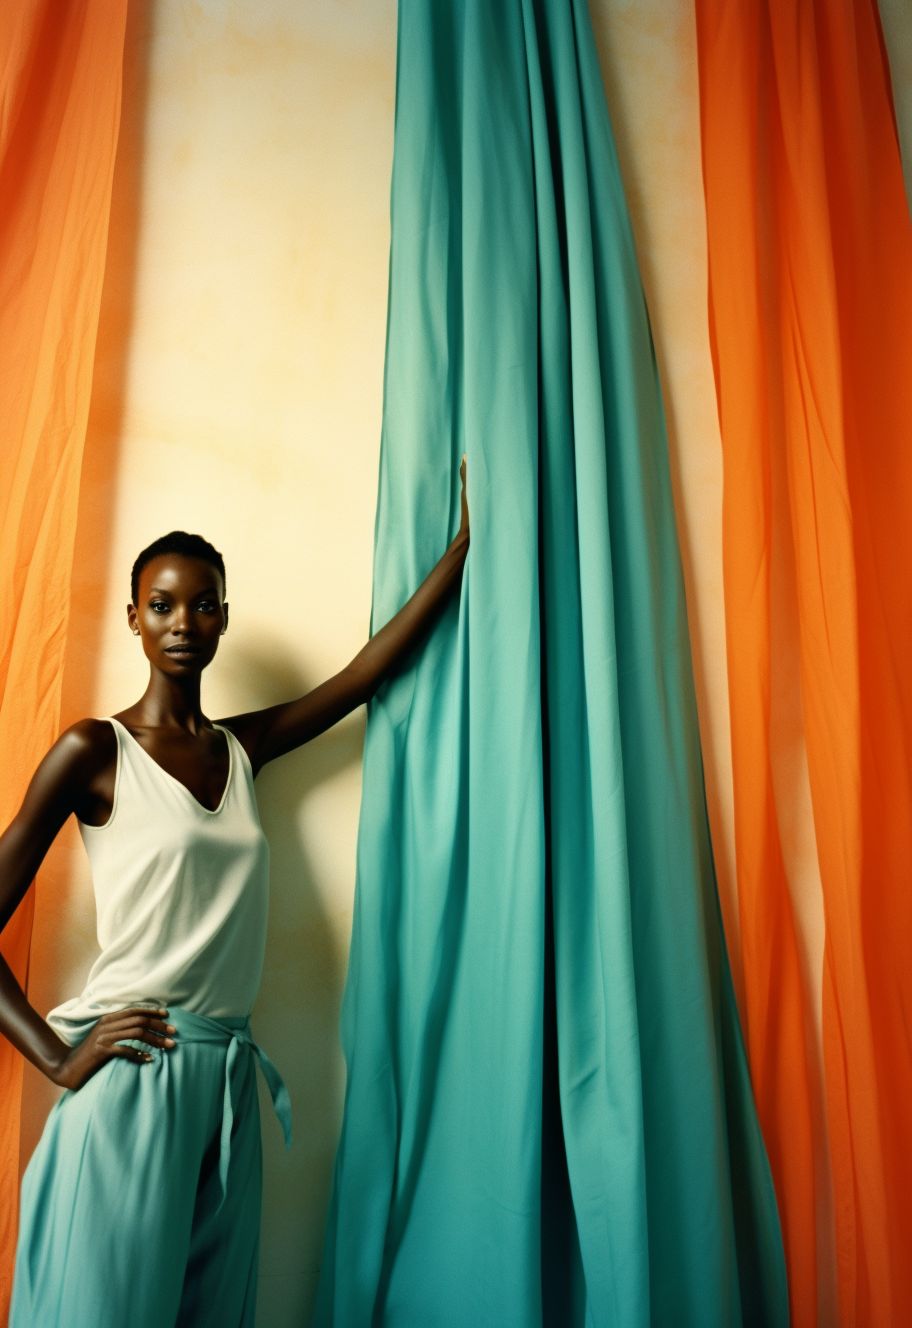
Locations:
column 734, row 73
column 810, row 258
column 60, row 75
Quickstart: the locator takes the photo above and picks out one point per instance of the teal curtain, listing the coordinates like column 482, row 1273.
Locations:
column 548, row 1115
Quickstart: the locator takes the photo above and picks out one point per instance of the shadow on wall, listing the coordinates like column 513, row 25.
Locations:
column 296, row 1017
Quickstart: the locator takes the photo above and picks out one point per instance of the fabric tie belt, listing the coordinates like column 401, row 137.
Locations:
column 193, row 1027
column 235, row 1031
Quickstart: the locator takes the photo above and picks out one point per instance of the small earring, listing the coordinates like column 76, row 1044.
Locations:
column 136, row 631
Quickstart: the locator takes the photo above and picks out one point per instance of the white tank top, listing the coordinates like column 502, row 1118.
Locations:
column 181, row 893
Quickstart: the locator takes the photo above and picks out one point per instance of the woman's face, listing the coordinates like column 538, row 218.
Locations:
column 180, row 613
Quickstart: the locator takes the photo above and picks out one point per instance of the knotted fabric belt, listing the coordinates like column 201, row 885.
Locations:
column 235, row 1031
column 193, row 1027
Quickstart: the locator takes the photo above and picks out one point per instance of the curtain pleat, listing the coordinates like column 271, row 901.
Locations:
column 60, row 84
column 810, row 261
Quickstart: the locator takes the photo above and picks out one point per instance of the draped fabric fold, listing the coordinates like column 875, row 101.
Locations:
column 810, row 261
column 60, row 73
column 548, row 1113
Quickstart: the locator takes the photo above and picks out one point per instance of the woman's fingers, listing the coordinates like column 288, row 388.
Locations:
column 138, row 1025
column 139, row 1033
column 145, row 1017
column 137, row 1053
column 464, row 497
column 131, row 1054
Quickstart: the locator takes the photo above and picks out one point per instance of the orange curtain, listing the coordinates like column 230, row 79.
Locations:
column 60, row 83
column 810, row 260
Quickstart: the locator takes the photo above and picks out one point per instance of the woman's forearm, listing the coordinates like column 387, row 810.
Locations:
column 22, row 1025
column 387, row 646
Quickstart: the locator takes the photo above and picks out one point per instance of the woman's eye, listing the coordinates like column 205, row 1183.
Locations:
column 162, row 606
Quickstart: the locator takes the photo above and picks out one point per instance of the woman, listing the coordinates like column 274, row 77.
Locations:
column 141, row 1202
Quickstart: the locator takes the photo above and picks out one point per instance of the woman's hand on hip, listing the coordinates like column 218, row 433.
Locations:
column 102, row 1043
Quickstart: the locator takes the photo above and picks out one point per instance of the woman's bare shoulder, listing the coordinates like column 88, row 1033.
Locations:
column 84, row 752
column 85, row 747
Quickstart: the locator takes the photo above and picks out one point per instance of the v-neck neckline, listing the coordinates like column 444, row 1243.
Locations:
column 209, row 811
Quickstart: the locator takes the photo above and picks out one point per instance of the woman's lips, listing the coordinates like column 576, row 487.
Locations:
column 182, row 650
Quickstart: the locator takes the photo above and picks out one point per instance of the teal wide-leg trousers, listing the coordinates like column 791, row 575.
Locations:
column 141, row 1201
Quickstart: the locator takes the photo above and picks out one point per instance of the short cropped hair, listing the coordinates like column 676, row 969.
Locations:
column 177, row 541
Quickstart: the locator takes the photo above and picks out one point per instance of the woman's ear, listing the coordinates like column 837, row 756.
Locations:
column 225, row 611
column 132, row 620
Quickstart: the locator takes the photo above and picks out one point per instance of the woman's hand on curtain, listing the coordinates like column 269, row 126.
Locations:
column 463, row 500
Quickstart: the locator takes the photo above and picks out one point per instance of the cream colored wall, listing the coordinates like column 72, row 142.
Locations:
column 896, row 20
column 238, row 393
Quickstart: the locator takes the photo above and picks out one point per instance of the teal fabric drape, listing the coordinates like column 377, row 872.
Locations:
column 548, row 1115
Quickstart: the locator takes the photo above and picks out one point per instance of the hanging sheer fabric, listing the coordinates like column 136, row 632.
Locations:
column 548, row 1114
column 60, row 73
column 810, row 261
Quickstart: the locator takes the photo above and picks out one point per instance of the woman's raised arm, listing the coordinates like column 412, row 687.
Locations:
column 266, row 734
